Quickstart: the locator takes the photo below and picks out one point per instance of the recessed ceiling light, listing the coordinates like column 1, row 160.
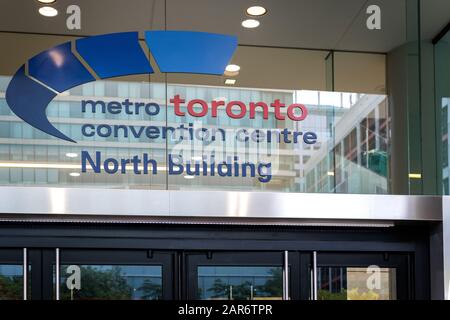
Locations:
column 230, row 81
column 250, row 23
column 71, row 155
column 47, row 1
column 189, row 177
column 74, row 174
column 256, row 11
column 48, row 11
column 232, row 68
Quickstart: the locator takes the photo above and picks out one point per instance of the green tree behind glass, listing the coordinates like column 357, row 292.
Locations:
column 11, row 288
column 99, row 284
column 151, row 290
column 273, row 287
column 219, row 289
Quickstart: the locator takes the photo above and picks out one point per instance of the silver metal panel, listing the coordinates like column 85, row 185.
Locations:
column 37, row 200
column 210, row 204
column 43, row 218
column 305, row 206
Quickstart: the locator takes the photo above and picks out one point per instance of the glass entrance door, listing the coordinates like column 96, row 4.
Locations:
column 362, row 276
column 114, row 275
column 260, row 276
column 237, row 275
column 11, row 274
column 133, row 274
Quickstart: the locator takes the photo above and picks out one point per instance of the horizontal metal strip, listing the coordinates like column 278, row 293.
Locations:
column 217, row 204
column 193, row 221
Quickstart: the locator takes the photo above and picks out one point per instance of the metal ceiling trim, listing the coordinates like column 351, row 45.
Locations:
column 96, row 202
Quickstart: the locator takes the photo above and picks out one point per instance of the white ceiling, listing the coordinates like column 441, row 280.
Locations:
column 316, row 24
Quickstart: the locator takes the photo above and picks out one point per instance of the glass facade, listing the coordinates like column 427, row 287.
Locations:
column 240, row 283
column 365, row 96
column 442, row 69
column 371, row 109
column 111, row 282
column 131, row 134
column 338, row 283
column 350, row 156
column 322, row 97
column 11, row 282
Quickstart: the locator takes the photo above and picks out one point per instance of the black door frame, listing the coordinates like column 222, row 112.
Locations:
column 119, row 257
column 41, row 240
column 400, row 261
column 240, row 258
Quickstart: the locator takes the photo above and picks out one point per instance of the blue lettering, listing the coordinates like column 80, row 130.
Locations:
column 114, row 107
column 94, row 165
column 178, row 166
column 152, row 132
column 146, row 161
column 266, row 176
column 115, row 165
column 310, row 138
column 150, row 106
column 102, row 134
column 87, row 126
column 93, row 104
column 239, row 134
column 137, row 134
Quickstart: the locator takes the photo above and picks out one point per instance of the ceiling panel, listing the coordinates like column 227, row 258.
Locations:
column 315, row 24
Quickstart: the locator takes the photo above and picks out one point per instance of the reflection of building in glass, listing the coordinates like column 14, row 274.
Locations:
column 29, row 156
column 356, row 159
column 345, row 283
column 240, row 283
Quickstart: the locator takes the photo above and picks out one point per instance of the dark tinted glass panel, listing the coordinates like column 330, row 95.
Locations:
column 11, row 282
column 240, row 283
column 344, row 283
column 111, row 282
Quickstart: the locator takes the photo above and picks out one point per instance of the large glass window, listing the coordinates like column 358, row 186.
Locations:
column 330, row 57
column 240, row 283
column 11, row 282
column 351, row 283
column 111, row 282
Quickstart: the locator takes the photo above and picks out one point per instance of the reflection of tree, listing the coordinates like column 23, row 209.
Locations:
column 11, row 287
column 273, row 287
column 242, row 291
column 151, row 291
column 100, row 284
column 219, row 289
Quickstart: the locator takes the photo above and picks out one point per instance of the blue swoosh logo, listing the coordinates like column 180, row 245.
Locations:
column 110, row 55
